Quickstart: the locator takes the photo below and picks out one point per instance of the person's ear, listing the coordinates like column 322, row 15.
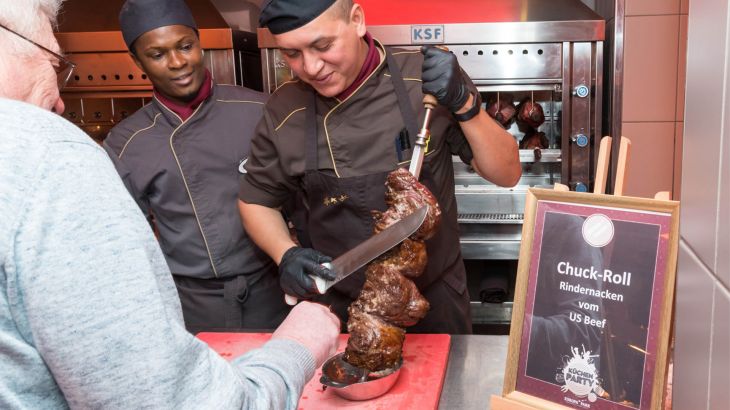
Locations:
column 357, row 17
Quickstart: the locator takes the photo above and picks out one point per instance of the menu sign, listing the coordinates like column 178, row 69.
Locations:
column 592, row 304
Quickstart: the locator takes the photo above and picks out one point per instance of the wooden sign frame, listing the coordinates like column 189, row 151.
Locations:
column 518, row 392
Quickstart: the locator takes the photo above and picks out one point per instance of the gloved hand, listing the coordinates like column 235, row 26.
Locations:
column 313, row 326
column 443, row 78
column 296, row 266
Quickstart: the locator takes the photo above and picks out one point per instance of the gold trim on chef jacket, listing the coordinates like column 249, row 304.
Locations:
column 326, row 131
column 240, row 101
column 154, row 121
column 185, row 182
column 296, row 80
column 281, row 124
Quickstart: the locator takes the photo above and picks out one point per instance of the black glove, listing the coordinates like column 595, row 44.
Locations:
column 443, row 78
column 296, row 266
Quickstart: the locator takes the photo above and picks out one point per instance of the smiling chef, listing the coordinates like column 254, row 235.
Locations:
column 179, row 158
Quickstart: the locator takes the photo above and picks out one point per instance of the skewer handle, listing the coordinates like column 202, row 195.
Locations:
column 429, row 101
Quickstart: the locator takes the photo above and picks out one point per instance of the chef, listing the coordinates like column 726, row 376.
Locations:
column 179, row 157
column 333, row 134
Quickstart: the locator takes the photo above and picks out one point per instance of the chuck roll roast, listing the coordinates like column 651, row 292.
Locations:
column 530, row 113
column 502, row 109
column 389, row 300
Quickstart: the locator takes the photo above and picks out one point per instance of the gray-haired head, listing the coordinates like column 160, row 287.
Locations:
column 26, row 17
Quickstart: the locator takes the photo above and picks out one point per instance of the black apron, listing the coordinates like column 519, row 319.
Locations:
column 239, row 303
column 334, row 229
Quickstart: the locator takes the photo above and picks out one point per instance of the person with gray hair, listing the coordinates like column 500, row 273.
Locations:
column 26, row 34
column 89, row 314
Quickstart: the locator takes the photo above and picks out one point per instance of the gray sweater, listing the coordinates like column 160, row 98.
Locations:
column 89, row 315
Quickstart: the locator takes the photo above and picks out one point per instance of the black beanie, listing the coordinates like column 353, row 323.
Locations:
column 281, row 16
column 140, row 16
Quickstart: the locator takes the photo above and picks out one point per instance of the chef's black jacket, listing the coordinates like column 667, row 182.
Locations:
column 185, row 174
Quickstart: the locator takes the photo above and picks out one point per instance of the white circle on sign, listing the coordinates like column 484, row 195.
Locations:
column 598, row 230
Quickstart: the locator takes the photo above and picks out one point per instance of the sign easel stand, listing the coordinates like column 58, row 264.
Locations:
column 516, row 400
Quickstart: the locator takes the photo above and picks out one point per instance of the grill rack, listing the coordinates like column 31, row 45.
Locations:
column 495, row 218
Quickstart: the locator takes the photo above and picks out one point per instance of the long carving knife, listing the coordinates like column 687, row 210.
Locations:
column 359, row 256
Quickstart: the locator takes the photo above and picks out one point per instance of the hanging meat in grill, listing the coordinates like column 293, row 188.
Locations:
column 530, row 113
column 389, row 300
column 536, row 141
column 502, row 109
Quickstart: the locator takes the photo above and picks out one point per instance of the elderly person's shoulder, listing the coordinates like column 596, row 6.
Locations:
column 31, row 126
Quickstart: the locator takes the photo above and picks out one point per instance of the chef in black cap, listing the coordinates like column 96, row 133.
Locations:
column 333, row 134
column 179, row 157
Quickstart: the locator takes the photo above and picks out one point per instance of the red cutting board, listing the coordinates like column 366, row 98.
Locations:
column 418, row 386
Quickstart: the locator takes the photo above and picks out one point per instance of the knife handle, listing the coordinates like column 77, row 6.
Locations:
column 320, row 283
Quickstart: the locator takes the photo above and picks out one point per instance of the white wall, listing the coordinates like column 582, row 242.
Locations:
column 702, row 346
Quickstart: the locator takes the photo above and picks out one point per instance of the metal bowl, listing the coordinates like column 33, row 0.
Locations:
column 354, row 383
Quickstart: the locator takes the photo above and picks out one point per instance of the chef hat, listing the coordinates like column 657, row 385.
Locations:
column 281, row 16
column 140, row 16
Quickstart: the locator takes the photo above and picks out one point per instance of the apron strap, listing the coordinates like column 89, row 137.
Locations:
column 404, row 101
column 311, row 124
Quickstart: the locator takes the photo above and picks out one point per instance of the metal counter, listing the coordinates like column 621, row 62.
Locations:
column 475, row 371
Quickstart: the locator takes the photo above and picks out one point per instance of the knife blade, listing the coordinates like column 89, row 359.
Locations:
column 359, row 256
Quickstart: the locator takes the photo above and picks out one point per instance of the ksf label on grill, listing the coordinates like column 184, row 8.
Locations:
column 427, row 34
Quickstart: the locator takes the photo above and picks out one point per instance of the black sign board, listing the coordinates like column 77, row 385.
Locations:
column 592, row 310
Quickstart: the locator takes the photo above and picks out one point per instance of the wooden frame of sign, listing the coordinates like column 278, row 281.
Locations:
column 593, row 303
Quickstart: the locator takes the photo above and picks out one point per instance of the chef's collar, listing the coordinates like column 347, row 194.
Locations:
column 184, row 111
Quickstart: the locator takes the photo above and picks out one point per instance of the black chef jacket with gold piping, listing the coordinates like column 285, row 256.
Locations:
column 355, row 137
column 185, row 173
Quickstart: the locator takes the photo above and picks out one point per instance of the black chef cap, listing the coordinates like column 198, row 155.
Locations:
column 280, row 16
column 140, row 16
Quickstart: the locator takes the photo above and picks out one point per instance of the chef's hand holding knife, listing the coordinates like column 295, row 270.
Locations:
column 444, row 79
column 298, row 269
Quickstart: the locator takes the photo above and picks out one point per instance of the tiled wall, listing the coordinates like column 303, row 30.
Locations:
column 702, row 321
column 655, row 37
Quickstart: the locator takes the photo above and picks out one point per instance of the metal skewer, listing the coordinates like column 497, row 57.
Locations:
column 430, row 102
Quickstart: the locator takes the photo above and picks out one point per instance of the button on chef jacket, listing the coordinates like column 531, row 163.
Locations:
column 185, row 174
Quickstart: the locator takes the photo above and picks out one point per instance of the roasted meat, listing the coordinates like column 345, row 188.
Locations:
column 530, row 113
column 391, row 296
column 373, row 344
column 536, row 141
column 389, row 300
column 403, row 195
column 502, row 109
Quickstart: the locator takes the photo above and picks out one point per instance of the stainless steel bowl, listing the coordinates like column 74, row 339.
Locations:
column 354, row 383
